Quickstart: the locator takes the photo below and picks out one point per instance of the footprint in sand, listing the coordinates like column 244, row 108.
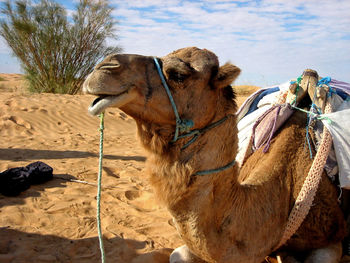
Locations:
column 142, row 200
column 132, row 194
column 9, row 103
column 18, row 121
column 123, row 116
column 21, row 122
column 34, row 108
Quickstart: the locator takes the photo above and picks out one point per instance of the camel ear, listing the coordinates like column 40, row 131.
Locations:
column 225, row 76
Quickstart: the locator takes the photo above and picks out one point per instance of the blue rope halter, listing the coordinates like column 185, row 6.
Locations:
column 181, row 125
column 184, row 126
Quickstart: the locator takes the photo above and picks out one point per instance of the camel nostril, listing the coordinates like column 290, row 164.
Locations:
column 110, row 66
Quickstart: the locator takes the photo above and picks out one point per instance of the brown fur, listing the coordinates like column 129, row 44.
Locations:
column 235, row 215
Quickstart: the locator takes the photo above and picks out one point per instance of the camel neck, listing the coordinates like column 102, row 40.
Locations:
column 174, row 168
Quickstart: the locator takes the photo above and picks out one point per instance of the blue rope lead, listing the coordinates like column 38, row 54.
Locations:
column 100, row 238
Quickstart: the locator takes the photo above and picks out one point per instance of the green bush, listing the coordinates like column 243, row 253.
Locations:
column 57, row 52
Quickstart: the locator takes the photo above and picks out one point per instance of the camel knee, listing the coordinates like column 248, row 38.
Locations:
column 329, row 254
column 183, row 255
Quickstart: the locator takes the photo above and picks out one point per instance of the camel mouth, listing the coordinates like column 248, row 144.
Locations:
column 102, row 102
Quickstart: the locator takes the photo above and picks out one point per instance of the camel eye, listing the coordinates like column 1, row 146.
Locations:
column 176, row 76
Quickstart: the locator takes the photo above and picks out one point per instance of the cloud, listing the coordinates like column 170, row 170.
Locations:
column 271, row 40
column 277, row 39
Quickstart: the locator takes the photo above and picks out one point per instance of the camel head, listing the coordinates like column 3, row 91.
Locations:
column 198, row 84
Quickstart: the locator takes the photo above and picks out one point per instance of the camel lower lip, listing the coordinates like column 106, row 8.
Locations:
column 101, row 103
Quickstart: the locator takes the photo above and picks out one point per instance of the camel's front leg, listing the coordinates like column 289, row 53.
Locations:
column 183, row 255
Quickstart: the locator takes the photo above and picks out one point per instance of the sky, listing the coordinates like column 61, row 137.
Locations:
column 272, row 41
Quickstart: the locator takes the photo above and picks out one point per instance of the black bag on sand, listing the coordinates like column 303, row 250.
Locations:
column 15, row 180
column 39, row 172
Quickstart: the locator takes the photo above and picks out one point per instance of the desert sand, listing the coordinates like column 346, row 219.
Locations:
column 56, row 221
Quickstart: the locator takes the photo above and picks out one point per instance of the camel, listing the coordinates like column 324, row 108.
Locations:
column 223, row 212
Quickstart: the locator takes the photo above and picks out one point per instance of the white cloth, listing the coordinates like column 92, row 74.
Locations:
column 245, row 123
column 339, row 127
column 245, row 129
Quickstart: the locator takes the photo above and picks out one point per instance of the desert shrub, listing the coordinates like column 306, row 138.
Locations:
column 56, row 51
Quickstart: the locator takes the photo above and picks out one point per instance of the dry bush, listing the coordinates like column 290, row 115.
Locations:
column 57, row 52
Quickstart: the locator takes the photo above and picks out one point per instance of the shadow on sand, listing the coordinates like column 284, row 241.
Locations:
column 17, row 246
column 17, row 154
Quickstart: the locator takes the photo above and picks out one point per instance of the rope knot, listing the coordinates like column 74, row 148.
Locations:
column 185, row 125
column 325, row 81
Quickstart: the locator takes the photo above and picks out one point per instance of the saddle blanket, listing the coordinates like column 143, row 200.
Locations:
column 261, row 115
